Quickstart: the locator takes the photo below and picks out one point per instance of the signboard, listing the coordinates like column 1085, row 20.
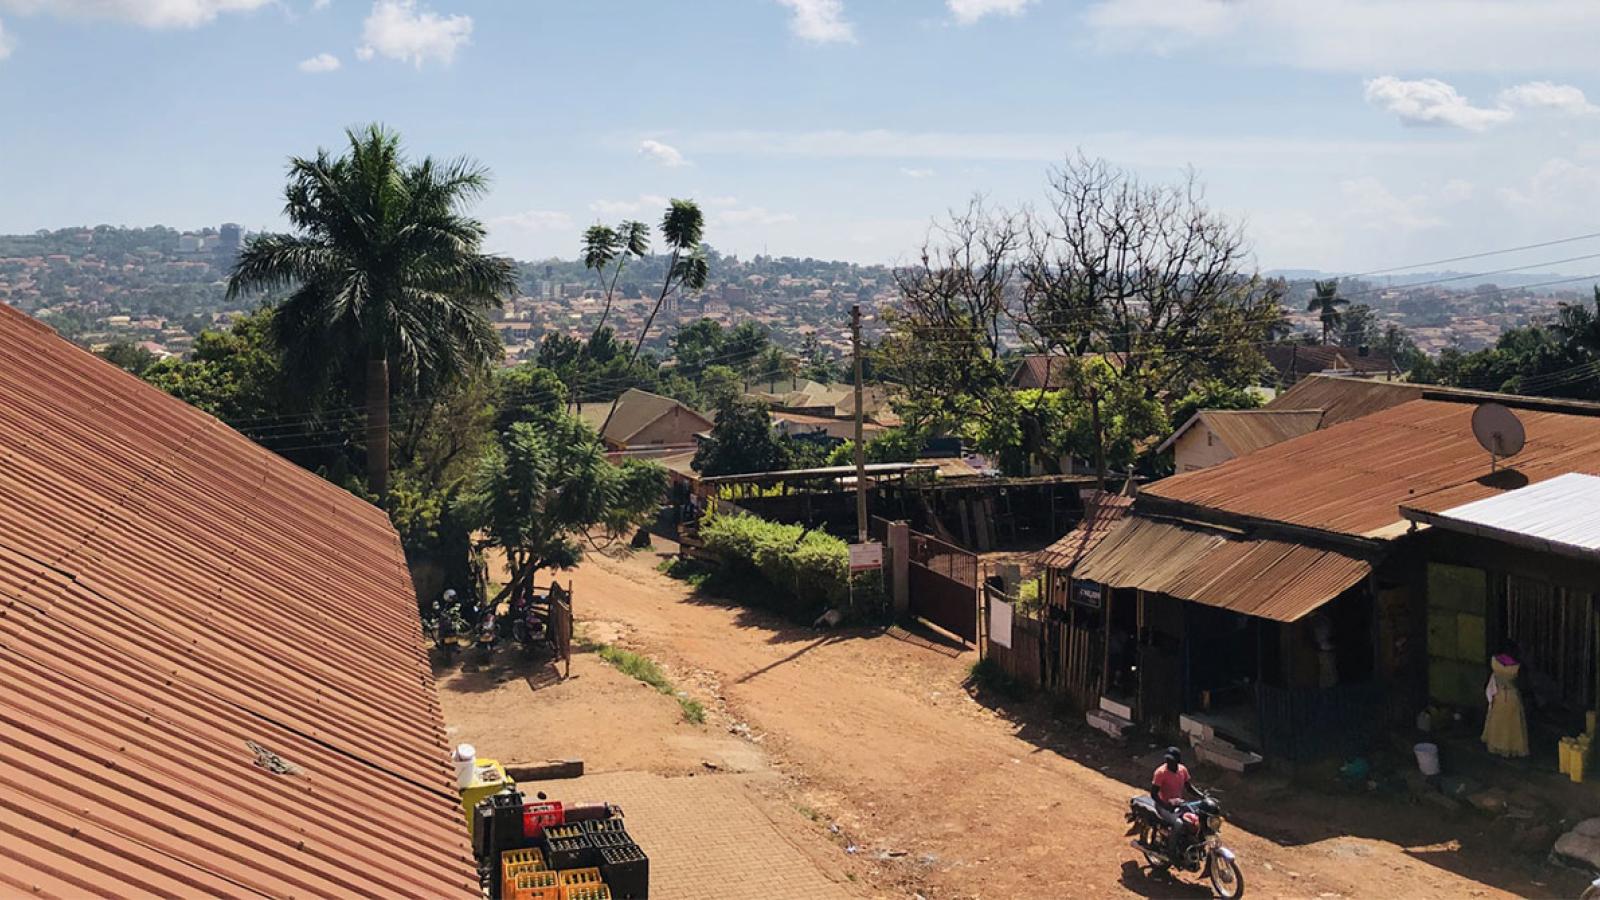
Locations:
column 866, row 557
column 1000, row 623
column 1087, row 593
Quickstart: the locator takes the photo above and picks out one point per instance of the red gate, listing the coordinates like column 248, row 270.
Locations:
column 943, row 584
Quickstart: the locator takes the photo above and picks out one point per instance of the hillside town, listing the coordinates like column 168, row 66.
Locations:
column 1208, row 507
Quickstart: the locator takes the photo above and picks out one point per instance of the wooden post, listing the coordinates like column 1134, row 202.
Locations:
column 861, row 448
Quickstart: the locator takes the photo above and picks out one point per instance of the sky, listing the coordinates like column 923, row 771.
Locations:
column 1347, row 135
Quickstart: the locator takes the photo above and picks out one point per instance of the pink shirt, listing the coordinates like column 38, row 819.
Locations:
column 1170, row 784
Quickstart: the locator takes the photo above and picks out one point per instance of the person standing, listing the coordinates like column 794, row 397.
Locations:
column 1505, row 727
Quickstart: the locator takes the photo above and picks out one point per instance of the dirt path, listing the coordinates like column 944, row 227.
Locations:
column 950, row 797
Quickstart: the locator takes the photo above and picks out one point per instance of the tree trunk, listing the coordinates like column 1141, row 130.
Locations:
column 1099, row 440
column 378, row 427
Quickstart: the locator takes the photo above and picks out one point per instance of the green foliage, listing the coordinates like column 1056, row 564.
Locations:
column 548, row 484
column 742, row 440
column 527, row 393
column 803, row 571
column 899, row 444
column 643, row 668
column 128, row 356
column 1325, row 302
column 237, row 376
column 1558, row 360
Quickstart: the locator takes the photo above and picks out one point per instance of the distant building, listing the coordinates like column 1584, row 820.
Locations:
column 645, row 421
column 189, row 242
column 1214, row 436
column 230, row 238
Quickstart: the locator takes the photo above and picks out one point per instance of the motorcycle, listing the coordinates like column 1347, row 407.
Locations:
column 528, row 624
column 1201, row 852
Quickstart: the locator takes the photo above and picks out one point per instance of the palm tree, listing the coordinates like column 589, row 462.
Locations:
column 1579, row 327
column 603, row 245
column 1326, row 302
column 384, row 269
column 687, row 268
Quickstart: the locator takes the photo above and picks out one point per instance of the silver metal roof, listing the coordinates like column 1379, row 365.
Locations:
column 1559, row 515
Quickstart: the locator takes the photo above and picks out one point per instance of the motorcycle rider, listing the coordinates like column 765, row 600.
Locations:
column 1170, row 786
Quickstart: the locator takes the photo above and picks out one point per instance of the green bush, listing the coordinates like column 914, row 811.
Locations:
column 808, row 570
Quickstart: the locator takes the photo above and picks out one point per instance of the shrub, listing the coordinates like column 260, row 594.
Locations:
column 808, row 570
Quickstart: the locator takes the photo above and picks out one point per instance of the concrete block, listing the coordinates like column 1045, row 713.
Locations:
column 1120, row 710
column 1111, row 725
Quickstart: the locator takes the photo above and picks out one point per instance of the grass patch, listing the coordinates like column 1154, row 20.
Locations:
column 643, row 668
column 986, row 675
column 692, row 572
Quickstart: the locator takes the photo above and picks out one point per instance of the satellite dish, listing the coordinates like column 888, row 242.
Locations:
column 1498, row 431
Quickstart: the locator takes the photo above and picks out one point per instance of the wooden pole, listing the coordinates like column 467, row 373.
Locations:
column 861, row 449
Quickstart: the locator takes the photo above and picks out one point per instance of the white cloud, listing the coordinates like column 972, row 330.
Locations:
column 1431, row 102
column 916, row 173
column 967, row 12
column 749, row 215
column 1360, row 35
column 644, row 203
column 1561, row 189
column 398, row 29
column 319, row 5
column 322, row 62
column 662, row 153
column 820, row 21
column 5, row 42
column 1544, row 95
column 533, row 220
column 1370, row 204
column 149, row 13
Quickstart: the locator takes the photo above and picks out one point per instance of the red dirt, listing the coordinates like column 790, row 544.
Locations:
column 951, row 794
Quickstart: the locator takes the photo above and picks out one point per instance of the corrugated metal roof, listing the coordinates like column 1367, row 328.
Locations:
column 173, row 597
column 636, row 410
column 1267, row 578
column 1342, row 399
column 1101, row 512
column 1298, row 360
column 1353, row 477
column 1561, row 515
column 1248, row 430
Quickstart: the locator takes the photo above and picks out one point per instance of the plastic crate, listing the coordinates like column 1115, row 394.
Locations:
column 601, row 826
column 540, row 885
column 569, row 830
column 627, row 871
column 590, row 875
column 536, row 817
column 570, row 853
column 586, row 892
column 517, row 862
column 603, row 839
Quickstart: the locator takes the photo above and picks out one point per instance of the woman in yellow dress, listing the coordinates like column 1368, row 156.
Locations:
column 1505, row 728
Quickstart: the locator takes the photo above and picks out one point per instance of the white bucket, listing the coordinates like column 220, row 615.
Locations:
column 1427, row 758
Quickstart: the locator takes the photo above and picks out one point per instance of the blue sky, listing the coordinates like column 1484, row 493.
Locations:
column 1348, row 135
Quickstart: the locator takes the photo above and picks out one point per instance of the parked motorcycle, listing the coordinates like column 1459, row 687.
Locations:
column 528, row 623
column 1201, row 851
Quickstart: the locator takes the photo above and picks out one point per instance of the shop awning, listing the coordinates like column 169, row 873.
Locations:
column 1272, row 579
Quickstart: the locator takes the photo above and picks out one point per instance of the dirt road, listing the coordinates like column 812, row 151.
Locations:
column 953, row 797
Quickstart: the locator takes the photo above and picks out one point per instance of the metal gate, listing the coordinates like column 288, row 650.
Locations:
column 944, row 585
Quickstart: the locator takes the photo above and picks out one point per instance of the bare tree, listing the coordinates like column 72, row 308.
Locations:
column 1142, row 276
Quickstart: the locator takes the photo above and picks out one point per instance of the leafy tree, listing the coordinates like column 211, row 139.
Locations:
column 719, row 386
column 743, row 345
column 385, row 270
column 606, row 246
column 742, row 440
column 237, row 376
column 547, row 485
column 1358, row 327
column 892, row 446
column 527, row 393
column 1325, row 302
column 697, row 345
column 771, row 367
column 128, row 356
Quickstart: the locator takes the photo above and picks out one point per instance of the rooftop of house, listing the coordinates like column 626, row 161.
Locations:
column 211, row 665
column 636, row 410
column 1248, row 430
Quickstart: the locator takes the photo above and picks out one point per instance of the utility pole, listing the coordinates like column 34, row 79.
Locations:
column 861, row 447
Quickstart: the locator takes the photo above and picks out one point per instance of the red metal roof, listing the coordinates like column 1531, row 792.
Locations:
column 177, row 606
column 1272, row 579
column 1352, row 478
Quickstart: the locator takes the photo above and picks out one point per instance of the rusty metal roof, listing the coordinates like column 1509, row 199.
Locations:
column 1267, row 578
column 1352, row 478
column 211, row 675
column 1342, row 398
column 1248, row 430
column 1101, row 512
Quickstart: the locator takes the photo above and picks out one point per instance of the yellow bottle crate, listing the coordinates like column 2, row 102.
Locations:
column 586, row 892
column 539, row 885
column 580, row 876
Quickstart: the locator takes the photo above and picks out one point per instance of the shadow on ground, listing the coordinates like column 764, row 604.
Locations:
column 475, row 670
column 1306, row 806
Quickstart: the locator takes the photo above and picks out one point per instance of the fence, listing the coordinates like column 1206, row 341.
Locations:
column 561, row 625
column 944, row 585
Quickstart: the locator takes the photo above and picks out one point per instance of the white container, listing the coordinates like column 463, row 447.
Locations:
column 466, row 760
column 1427, row 758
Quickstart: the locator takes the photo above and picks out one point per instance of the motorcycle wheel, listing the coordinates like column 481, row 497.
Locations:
column 1226, row 878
